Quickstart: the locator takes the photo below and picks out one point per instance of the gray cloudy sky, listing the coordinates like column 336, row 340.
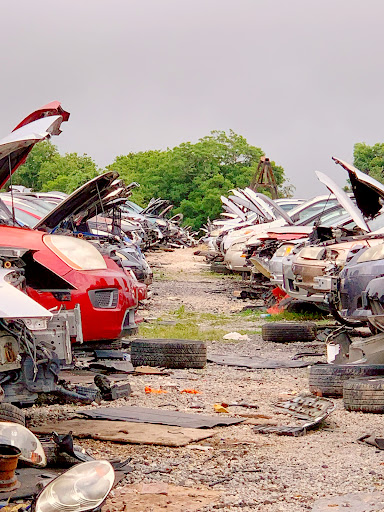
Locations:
column 301, row 79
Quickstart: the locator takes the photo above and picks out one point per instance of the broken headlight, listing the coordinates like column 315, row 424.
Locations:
column 372, row 254
column 76, row 253
column 283, row 250
column 19, row 436
column 83, row 487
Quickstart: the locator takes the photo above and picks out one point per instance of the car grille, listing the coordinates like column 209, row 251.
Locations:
column 104, row 299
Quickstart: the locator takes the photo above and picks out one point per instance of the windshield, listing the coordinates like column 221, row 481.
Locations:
column 306, row 212
column 132, row 206
column 25, row 218
column 377, row 222
column 5, row 214
column 333, row 218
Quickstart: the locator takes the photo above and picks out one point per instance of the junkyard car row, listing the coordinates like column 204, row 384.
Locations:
column 73, row 274
column 327, row 252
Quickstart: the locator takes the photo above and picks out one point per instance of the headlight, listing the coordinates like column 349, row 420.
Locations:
column 83, row 487
column 372, row 254
column 22, row 438
column 76, row 253
column 284, row 250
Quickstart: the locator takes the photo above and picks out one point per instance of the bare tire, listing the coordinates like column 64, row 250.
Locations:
column 364, row 395
column 169, row 353
column 283, row 332
column 328, row 379
column 9, row 412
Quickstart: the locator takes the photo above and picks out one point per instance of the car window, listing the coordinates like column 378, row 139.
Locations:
column 312, row 210
column 287, row 206
column 377, row 222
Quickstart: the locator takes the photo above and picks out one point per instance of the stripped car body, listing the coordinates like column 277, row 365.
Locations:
column 62, row 272
column 34, row 342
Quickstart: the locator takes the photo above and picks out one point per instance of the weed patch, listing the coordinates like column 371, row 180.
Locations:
column 182, row 330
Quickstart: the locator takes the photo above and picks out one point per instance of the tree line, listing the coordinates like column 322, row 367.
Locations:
column 191, row 176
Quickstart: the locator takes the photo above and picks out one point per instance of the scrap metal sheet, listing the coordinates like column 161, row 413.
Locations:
column 256, row 362
column 125, row 432
column 160, row 416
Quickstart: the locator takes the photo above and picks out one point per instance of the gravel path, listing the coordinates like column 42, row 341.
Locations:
column 252, row 471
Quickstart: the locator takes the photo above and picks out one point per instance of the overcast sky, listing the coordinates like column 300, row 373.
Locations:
column 301, row 79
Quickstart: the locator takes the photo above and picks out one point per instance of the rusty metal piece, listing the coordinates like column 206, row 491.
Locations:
column 9, row 456
column 264, row 177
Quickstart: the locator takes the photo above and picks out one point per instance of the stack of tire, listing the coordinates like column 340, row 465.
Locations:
column 361, row 386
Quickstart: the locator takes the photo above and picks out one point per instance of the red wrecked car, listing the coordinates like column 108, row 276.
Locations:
column 62, row 271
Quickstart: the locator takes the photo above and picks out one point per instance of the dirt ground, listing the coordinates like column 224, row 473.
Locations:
column 236, row 467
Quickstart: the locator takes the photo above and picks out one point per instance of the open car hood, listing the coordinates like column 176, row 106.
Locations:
column 366, row 189
column 16, row 304
column 344, row 200
column 84, row 202
column 245, row 201
column 276, row 208
column 39, row 125
column 231, row 207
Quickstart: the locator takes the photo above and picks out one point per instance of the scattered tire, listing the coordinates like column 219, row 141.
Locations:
column 328, row 379
column 219, row 268
column 9, row 412
column 283, row 332
column 365, row 395
column 169, row 353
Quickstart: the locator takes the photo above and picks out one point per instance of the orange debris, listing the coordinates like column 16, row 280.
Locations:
column 148, row 389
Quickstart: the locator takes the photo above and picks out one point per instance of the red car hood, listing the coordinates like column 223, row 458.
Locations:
column 36, row 127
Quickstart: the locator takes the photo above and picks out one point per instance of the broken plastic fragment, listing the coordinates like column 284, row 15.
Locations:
column 236, row 336
column 148, row 390
column 219, row 408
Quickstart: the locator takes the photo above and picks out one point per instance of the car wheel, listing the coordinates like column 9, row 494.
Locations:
column 169, row 353
column 364, row 395
column 9, row 412
column 283, row 332
column 328, row 379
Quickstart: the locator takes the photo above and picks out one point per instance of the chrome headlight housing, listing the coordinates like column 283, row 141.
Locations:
column 283, row 250
column 19, row 436
column 76, row 253
column 83, row 487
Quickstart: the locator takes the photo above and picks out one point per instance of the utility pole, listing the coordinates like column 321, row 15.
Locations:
column 264, row 177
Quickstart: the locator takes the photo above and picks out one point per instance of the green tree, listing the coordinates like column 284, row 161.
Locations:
column 28, row 174
column 194, row 176
column 66, row 173
column 45, row 169
column 370, row 159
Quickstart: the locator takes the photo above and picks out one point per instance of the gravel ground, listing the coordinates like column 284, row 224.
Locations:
column 252, row 471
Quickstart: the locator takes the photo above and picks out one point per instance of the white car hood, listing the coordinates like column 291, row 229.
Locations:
column 16, row 304
column 344, row 200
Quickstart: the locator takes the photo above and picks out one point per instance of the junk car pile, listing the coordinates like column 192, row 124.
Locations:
column 327, row 252
column 72, row 268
